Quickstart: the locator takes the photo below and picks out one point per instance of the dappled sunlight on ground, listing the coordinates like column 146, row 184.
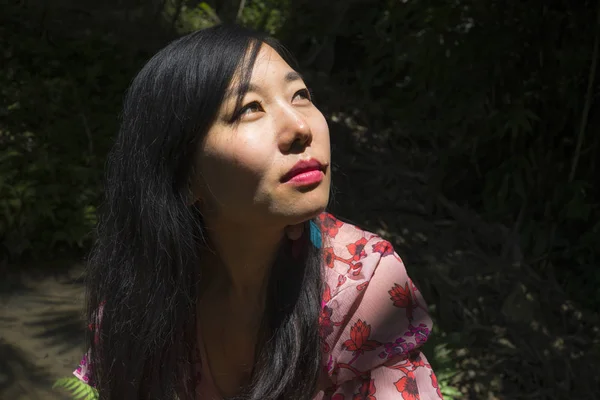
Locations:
column 41, row 332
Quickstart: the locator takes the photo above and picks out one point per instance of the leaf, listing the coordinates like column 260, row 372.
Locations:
column 450, row 393
column 78, row 388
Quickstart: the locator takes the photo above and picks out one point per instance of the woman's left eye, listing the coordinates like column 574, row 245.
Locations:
column 303, row 94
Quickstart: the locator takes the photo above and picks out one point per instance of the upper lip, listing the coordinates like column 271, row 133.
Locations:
column 303, row 166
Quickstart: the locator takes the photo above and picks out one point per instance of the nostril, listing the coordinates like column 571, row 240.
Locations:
column 297, row 145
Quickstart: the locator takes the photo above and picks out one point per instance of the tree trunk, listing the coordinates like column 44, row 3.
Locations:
column 227, row 10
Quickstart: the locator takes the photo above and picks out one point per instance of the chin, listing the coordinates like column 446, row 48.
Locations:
column 312, row 213
column 297, row 206
column 306, row 209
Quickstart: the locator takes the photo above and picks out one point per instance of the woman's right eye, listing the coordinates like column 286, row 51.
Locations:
column 248, row 109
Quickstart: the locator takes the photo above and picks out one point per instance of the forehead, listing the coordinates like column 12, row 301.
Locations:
column 269, row 64
column 269, row 69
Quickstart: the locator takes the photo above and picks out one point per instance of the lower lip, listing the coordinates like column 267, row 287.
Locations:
column 306, row 178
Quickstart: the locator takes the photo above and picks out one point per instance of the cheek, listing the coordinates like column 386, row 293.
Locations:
column 320, row 130
column 232, row 169
column 252, row 152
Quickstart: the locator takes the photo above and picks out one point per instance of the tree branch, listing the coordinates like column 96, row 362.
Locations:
column 240, row 10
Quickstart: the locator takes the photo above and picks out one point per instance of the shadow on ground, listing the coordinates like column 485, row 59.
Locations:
column 42, row 331
column 16, row 366
column 59, row 330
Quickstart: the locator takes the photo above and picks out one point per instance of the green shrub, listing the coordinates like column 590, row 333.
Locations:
column 59, row 103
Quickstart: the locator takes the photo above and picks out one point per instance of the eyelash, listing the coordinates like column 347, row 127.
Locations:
column 308, row 94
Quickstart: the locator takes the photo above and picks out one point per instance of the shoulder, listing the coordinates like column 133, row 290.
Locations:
column 372, row 312
column 352, row 254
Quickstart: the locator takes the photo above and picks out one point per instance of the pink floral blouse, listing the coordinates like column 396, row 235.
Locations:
column 372, row 324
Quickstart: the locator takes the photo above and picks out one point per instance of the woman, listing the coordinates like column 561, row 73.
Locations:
column 217, row 273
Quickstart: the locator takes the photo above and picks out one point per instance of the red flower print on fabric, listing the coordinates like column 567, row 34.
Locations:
column 407, row 386
column 326, row 295
column 366, row 391
column 356, row 268
column 357, row 249
column 329, row 255
column 416, row 359
column 325, row 323
column 402, row 298
column 330, row 225
column 384, row 248
column 362, row 286
column 434, row 383
column 359, row 341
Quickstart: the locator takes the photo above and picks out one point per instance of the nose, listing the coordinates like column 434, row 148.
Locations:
column 295, row 134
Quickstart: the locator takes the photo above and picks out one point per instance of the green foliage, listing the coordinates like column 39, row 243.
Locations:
column 498, row 107
column 439, row 355
column 265, row 15
column 58, row 113
column 78, row 389
column 59, row 100
column 445, row 373
column 449, row 392
column 192, row 18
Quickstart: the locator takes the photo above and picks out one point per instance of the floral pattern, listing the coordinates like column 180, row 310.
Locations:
column 402, row 298
column 330, row 225
column 359, row 341
column 372, row 323
column 373, row 320
column 367, row 391
column 407, row 385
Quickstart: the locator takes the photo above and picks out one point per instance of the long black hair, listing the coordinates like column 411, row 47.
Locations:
column 144, row 269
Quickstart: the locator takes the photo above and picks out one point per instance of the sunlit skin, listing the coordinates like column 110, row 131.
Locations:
column 247, row 209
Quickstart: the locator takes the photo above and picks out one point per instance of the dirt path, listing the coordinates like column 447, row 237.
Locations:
column 41, row 333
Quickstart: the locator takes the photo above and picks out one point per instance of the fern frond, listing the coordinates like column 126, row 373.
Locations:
column 79, row 390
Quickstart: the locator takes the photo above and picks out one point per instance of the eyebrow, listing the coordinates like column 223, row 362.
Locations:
column 291, row 76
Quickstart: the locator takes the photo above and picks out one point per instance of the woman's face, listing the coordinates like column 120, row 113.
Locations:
column 248, row 163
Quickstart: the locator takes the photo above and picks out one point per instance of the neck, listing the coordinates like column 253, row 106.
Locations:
column 239, row 257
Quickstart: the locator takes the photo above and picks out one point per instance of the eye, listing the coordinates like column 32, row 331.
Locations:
column 255, row 106
column 250, row 108
column 303, row 94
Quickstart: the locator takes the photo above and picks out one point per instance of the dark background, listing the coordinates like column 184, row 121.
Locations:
column 466, row 132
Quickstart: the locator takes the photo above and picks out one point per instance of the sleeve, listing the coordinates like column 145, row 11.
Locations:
column 83, row 371
column 375, row 322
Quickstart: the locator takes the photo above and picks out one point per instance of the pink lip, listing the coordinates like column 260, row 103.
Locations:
column 305, row 173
